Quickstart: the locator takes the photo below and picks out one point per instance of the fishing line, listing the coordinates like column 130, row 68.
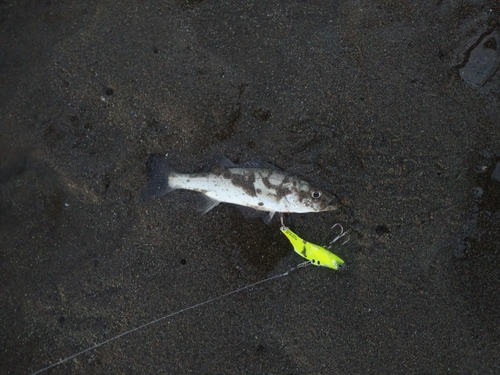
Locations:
column 170, row 315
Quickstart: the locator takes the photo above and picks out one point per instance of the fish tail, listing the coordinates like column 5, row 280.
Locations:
column 159, row 171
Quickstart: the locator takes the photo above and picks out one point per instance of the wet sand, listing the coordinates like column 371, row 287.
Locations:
column 392, row 106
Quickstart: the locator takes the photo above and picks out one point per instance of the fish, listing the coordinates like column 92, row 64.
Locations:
column 256, row 185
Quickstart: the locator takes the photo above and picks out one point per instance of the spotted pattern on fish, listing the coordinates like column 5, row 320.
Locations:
column 263, row 189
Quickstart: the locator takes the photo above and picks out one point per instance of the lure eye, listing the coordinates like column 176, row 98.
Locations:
column 316, row 194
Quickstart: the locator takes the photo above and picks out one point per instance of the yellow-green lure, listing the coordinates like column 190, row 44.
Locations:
column 317, row 255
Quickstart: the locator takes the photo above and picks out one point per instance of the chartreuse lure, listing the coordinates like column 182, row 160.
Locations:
column 317, row 255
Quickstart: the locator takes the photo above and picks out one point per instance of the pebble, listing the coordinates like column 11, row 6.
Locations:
column 496, row 172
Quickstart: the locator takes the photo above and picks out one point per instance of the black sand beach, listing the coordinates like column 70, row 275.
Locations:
column 392, row 105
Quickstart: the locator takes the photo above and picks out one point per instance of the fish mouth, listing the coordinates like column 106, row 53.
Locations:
column 331, row 207
column 332, row 204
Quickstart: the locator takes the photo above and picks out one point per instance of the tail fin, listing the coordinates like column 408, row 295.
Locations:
column 159, row 170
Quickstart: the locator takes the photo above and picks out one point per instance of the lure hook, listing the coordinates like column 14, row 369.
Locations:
column 339, row 236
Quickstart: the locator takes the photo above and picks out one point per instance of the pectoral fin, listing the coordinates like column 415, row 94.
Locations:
column 267, row 219
column 208, row 205
column 251, row 213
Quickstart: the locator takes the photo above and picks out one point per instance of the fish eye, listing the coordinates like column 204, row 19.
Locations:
column 316, row 194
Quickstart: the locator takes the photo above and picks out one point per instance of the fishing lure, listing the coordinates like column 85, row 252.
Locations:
column 315, row 254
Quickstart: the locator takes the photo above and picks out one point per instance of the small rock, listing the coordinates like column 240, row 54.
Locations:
column 477, row 191
column 459, row 250
column 482, row 61
column 496, row 173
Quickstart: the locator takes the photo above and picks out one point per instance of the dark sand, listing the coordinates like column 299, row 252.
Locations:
column 394, row 105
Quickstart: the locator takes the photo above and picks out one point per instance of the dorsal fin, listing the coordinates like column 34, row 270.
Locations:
column 225, row 162
column 257, row 164
column 217, row 158
column 253, row 164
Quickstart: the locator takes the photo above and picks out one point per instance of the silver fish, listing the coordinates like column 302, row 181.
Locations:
column 253, row 185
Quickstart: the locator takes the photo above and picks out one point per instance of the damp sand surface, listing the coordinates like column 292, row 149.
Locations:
column 366, row 99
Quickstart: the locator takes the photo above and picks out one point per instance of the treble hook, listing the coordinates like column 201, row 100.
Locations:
column 340, row 235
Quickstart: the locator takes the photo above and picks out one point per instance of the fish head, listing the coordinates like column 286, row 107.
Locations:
column 304, row 198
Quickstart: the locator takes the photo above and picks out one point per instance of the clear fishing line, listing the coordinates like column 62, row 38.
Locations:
column 168, row 316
